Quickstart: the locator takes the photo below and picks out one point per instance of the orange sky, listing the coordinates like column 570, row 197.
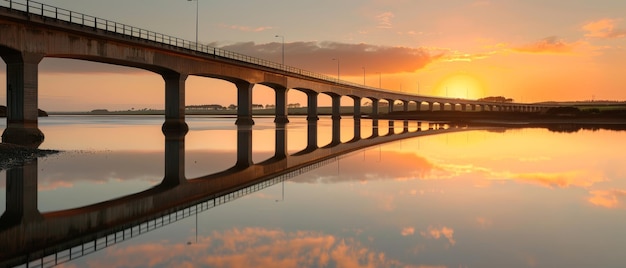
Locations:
column 526, row 50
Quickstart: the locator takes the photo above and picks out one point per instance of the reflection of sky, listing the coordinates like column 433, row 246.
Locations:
column 469, row 199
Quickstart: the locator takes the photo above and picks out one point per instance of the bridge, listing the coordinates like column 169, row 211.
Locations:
column 32, row 30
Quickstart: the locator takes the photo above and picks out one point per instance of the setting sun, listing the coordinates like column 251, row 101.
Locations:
column 460, row 85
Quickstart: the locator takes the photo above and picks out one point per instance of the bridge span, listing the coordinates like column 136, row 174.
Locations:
column 32, row 30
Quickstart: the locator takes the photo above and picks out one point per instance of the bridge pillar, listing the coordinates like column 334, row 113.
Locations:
column 357, row 108
column 374, row 113
column 244, row 103
column 281, row 105
column 406, row 106
column 336, row 132
column 312, row 106
column 336, row 106
column 390, row 107
column 311, row 136
column 174, row 159
column 418, row 106
column 356, row 131
column 21, row 195
column 280, row 144
column 405, row 128
column 244, row 146
column 442, row 106
column 452, row 106
column 463, row 107
column 174, row 103
column 430, row 106
column 391, row 128
column 375, row 131
column 22, row 98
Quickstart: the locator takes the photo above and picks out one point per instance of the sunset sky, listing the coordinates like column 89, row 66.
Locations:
column 528, row 50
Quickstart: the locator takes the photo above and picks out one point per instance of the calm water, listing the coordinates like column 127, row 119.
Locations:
column 475, row 198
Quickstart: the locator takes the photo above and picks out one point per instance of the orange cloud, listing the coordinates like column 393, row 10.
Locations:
column 250, row 247
column 560, row 180
column 436, row 233
column 407, row 231
column 608, row 198
column 604, row 28
column 549, row 45
column 317, row 56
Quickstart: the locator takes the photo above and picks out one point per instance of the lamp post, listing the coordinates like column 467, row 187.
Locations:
column 337, row 69
column 197, row 1
column 364, row 76
column 283, row 56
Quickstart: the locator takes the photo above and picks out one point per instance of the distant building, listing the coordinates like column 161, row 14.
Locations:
column 257, row 106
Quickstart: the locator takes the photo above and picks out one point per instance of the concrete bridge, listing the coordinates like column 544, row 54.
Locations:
column 32, row 31
column 28, row 235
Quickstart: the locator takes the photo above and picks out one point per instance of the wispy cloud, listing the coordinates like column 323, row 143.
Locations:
column 440, row 232
column 604, row 28
column 247, row 28
column 384, row 20
column 548, row 45
column 607, row 198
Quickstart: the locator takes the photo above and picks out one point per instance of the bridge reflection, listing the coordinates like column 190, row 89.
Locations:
column 30, row 237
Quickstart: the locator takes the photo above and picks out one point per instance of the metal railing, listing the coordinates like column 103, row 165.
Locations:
column 48, row 11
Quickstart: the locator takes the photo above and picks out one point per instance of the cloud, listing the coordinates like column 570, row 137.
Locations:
column 317, row 56
column 549, row 45
column 582, row 179
column 608, row 198
column 384, row 20
column 439, row 232
column 250, row 247
column 247, row 28
column 604, row 28
column 407, row 231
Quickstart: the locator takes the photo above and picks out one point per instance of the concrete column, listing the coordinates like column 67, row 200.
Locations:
column 336, row 132
column 374, row 108
column 391, row 127
column 375, row 131
column 406, row 106
column 442, row 106
column 21, row 195
column 473, row 107
column 22, row 99
column 174, row 103
column 463, row 107
column 280, row 144
column 452, row 106
column 405, row 128
column 418, row 106
column 244, row 103
column 390, row 108
column 281, row 106
column 336, row 106
column 312, row 106
column 357, row 108
column 244, row 146
column 430, row 106
column 356, row 130
column 174, row 159
column 311, row 137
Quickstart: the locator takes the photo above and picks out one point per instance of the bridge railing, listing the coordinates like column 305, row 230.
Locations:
column 48, row 11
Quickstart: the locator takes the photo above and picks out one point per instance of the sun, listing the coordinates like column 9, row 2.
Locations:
column 461, row 85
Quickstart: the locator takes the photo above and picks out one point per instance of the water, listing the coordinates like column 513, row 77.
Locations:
column 524, row 197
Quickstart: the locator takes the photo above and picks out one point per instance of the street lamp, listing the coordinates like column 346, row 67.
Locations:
column 337, row 69
column 364, row 76
column 197, row 1
column 283, row 57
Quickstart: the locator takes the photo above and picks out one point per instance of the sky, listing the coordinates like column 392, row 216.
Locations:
column 527, row 50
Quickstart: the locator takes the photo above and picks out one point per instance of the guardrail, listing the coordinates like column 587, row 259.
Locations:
column 48, row 11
